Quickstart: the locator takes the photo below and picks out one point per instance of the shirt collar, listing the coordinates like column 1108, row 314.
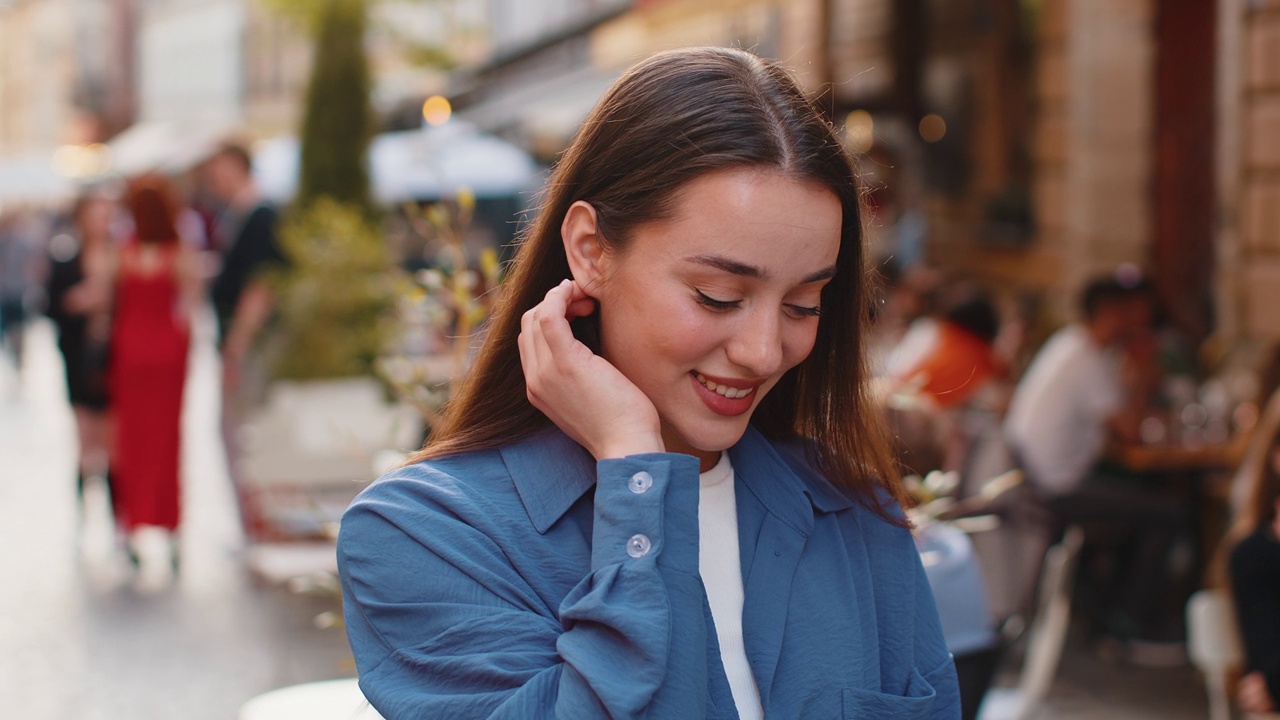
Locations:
column 551, row 472
column 765, row 468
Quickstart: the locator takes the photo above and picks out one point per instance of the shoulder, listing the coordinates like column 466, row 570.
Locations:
column 261, row 221
column 827, row 497
column 264, row 212
column 1254, row 555
column 458, row 484
column 457, row 507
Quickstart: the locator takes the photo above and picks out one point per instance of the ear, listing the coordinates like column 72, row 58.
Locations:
column 582, row 246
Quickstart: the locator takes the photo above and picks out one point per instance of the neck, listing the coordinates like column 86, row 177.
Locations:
column 1101, row 336
column 244, row 198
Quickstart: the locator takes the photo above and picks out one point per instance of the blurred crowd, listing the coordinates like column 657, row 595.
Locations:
column 123, row 274
column 974, row 395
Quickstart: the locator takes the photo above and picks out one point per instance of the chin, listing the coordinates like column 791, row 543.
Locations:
column 716, row 436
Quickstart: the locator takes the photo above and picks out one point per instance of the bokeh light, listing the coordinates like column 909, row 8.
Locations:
column 933, row 128
column 859, row 130
column 436, row 110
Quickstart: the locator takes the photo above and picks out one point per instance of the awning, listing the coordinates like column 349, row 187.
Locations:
column 551, row 107
column 162, row 147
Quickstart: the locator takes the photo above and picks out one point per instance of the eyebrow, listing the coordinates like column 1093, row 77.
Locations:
column 734, row 267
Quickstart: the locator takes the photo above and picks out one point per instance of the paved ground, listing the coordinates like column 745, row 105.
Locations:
column 79, row 640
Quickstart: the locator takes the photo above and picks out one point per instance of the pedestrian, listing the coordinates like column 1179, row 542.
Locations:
column 157, row 291
column 19, row 268
column 80, row 293
column 661, row 492
column 245, row 238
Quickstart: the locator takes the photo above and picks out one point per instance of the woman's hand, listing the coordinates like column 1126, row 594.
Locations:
column 584, row 395
column 86, row 297
column 1252, row 694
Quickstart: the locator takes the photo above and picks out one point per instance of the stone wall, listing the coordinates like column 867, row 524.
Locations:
column 1251, row 278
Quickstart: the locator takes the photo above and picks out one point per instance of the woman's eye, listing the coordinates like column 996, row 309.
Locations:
column 714, row 304
column 803, row 311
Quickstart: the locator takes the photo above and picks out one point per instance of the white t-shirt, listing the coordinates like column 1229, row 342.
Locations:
column 1057, row 421
column 721, row 570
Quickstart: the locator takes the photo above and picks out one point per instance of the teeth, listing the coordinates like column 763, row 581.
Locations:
column 725, row 390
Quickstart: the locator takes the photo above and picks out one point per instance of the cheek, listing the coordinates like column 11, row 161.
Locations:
column 797, row 343
column 656, row 336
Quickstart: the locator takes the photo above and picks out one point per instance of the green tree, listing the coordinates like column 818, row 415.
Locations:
column 338, row 122
column 336, row 309
column 336, row 301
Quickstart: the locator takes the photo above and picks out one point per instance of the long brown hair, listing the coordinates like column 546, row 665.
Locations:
column 668, row 120
column 154, row 207
column 1259, row 490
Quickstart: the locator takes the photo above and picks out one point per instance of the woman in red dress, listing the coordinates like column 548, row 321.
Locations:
column 155, row 294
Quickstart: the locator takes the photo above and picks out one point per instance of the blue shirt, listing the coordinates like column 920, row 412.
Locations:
column 534, row 582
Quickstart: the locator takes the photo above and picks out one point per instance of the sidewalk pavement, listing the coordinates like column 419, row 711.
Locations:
column 80, row 639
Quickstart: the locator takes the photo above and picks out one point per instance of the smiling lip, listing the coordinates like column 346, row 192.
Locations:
column 744, row 392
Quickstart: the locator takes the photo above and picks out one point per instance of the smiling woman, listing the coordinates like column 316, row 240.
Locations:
column 661, row 493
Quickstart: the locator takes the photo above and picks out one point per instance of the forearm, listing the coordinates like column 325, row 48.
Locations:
column 251, row 314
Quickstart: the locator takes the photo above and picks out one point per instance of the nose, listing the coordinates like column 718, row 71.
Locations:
column 756, row 347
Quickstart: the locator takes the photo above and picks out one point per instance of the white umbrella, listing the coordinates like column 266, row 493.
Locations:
column 414, row 165
column 32, row 179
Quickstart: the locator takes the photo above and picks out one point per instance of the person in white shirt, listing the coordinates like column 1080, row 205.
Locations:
column 1089, row 386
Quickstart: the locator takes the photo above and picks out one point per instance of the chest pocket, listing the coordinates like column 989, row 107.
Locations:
column 913, row 705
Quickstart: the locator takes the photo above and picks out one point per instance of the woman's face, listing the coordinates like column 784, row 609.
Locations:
column 705, row 311
column 95, row 218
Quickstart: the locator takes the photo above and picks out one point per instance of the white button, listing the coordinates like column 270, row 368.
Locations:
column 638, row 546
column 640, row 482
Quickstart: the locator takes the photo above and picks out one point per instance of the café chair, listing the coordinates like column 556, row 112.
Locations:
column 324, row 700
column 1213, row 643
column 1045, row 637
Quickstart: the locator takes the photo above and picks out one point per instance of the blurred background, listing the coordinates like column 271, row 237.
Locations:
column 1015, row 149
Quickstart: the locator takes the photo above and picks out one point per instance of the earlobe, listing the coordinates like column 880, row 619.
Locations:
column 582, row 245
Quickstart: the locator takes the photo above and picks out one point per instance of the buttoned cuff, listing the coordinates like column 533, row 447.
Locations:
column 646, row 510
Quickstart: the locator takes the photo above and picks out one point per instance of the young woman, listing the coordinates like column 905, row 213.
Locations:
column 81, row 271
column 662, row 492
column 156, row 293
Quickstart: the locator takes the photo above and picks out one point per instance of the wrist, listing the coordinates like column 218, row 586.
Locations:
column 631, row 445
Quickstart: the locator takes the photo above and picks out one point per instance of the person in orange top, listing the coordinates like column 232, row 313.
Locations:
column 961, row 360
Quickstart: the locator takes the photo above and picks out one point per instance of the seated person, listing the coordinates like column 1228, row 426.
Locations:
column 960, row 361
column 1087, row 386
column 1255, row 582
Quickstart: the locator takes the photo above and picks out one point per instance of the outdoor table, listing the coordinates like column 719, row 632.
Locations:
column 1165, row 458
column 336, row 699
column 1195, row 472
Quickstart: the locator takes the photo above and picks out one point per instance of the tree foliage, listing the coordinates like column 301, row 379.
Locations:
column 338, row 122
column 337, row 300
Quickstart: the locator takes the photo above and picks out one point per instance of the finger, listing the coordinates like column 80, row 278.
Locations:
column 555, row 332
column 580, row 308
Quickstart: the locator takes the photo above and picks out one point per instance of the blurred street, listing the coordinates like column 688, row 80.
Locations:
column 79, row 640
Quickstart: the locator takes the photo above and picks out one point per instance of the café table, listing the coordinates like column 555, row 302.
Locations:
column 336, row 699
column 1199, row 473
column 1174, row 458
